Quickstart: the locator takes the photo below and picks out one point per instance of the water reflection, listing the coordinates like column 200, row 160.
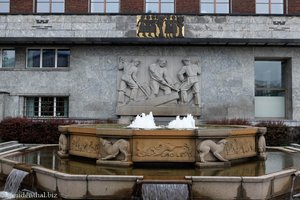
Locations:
column 47, row 157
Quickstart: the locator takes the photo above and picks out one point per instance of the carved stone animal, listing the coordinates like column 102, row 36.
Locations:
column 113, row 149
column 210, row 146
column 63, row 144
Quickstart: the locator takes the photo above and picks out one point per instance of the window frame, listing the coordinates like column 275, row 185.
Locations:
column 1, row 57
column 50, row 3
column 41, row 57
column 270, row 7
column 215, row 7
column 159, row 6
column 104, row 7
column 40, row 107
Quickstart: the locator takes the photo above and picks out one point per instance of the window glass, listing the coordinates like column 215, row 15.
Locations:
column 269, row 7
column 4, row 6
column 152, row 8
column 8, row 58
column 269, row 89
column 47, row 106
column 48, row 58
column 207, row 8
column 262, row 8
column 63, row 57
column 160, row 6
column 33, row 58
column 62, row 106
column 112, row 7
column 214, row 6
column 50, row 6
column 222, row 8
column 277, row 8
column 167, row 8
column 105, row 6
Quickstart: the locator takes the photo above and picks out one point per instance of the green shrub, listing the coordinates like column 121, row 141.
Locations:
column 31, row 131
column 278, row 134
column 235, row 121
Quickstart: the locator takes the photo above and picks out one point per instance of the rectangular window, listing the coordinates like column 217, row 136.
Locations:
column 269, row 7
column 270, row 89
column 214, row 6
column 55, row 58
column 105, row 6
column 50, row 6
column 160, row 6
column 7, row 58
column 46, row 106
column 4, row 6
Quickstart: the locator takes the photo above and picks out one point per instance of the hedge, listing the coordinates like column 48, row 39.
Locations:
column 31, row 131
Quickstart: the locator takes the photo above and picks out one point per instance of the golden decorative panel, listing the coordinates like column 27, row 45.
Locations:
column 160, row 26
column 84, row 146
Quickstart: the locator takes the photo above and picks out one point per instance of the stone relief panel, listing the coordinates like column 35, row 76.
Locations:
column 165, row 86
column 115, row 150
column 163, row 149
column 240, row 147
column 83, row 145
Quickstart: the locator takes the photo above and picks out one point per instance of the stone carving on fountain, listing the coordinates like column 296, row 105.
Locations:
column 207, row 146
column 114, row 152
column 262, row 153
column 165, row 86
column 166, row 150
column 63, row 146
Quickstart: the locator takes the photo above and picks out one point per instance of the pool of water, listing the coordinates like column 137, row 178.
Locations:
column 47, row 158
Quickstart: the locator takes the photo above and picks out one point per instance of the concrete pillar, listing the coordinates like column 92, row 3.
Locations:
column 3, row 96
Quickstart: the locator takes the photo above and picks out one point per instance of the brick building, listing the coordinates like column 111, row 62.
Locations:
column 60, row 58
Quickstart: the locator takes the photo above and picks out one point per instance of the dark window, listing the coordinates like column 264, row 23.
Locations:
column 46, row 106
column 8, row 58
column 48, row 58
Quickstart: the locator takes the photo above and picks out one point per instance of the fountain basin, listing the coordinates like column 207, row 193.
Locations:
column 117, row 145
column 120, row 182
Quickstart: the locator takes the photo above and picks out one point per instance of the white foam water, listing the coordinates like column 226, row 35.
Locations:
column 144, row 121
column 187, row 122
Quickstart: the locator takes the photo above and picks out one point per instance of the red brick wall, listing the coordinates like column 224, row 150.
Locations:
column 76, row 6
column 21, row 6
column 187, row 6
column 132, row 6
column 243, row 6
column 294, row 7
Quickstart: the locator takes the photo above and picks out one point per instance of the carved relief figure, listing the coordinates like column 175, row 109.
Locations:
column 188, row 75
column 207, row 146
column 166, row 150
column 128, row 79
column 159, row 78
column 114, row 149
column 63, row 144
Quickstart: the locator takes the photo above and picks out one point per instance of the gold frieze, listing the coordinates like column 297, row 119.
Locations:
column 160, row 26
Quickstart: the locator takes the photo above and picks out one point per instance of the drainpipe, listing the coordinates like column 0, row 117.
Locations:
column 3, row 96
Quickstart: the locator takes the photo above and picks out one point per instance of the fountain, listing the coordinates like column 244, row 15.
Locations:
column 13, row 183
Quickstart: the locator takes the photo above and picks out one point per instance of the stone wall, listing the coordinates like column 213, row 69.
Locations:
column 91, row 83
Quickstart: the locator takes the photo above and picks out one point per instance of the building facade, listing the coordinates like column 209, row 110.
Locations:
column 64, row 58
